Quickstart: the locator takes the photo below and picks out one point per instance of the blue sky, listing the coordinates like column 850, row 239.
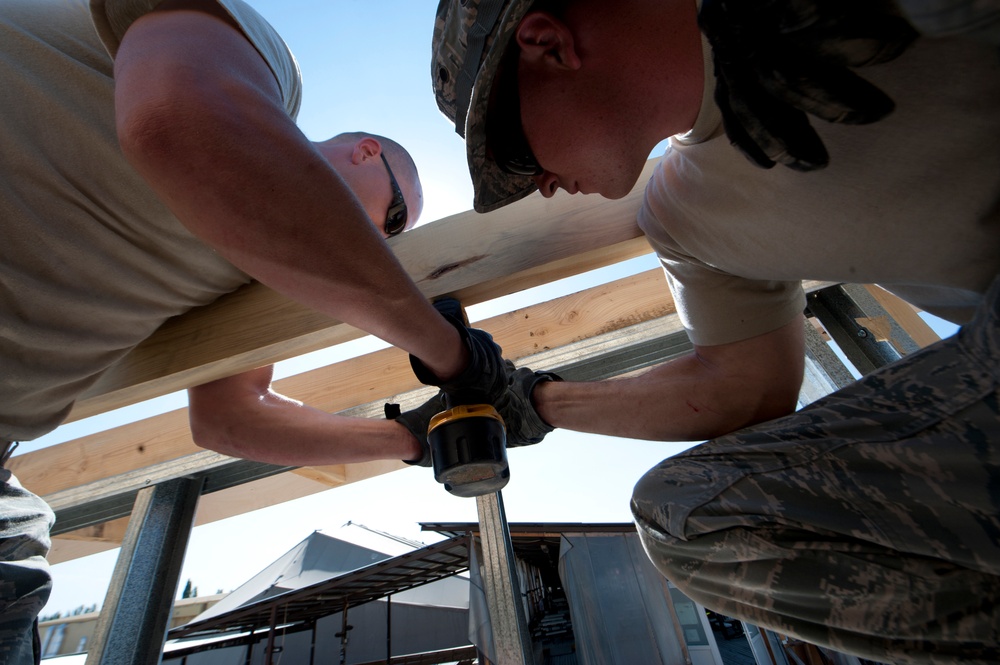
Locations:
column 366, row 66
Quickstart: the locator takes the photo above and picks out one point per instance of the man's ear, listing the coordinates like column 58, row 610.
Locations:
column 544, row 38
column 365, row 149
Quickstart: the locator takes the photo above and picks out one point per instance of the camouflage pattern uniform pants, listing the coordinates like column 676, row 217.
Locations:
column 868, row 522
column 25, row 582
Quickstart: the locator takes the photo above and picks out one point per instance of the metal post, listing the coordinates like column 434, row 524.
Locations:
column 344, row 630
column 824, row 371
column 388, row 629
column 843, row 310
column 250, row 642
column 133, row 623
column 501, row 585
column 269, row 650
column 312, row 643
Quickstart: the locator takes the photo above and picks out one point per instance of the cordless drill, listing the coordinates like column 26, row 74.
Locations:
column 468, row 441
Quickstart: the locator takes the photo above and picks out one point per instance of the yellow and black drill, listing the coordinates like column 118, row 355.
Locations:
column 468, row 440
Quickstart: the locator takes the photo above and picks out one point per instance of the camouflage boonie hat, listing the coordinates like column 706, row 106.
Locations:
column 470, row 37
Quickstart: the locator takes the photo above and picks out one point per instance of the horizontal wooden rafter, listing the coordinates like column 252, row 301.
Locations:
column 608, row 314
column 376, row 376
column 475, row 257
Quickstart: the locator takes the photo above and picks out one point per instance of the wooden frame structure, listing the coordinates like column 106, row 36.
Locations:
column 473, row 257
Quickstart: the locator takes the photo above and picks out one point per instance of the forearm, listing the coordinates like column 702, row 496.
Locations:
column 699, row 396
column 220, row 151
column 252, row 422
column 657, row 405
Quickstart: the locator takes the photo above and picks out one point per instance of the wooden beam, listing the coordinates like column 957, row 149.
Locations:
column 216, row 506
column 906, row 315
column 380, row 375
column 537, row 332
column 474, row 256
column 383, row 374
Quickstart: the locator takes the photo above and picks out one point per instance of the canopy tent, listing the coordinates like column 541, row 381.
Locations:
column 321, row 557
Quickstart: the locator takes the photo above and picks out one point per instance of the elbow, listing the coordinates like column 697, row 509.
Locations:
column 773, row 407
column 218, row 418
column 746, row 403
column 211, row 433
column 226, row 415
column 738, row 416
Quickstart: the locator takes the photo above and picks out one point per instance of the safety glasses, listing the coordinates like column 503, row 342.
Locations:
column 395, row 217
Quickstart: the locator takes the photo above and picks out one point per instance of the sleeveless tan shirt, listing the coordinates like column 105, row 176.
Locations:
column 91, row 263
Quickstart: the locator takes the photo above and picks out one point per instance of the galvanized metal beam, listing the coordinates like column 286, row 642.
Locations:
column 842, row 310
column 132, row 626
column 501, row 585
column 600, row 357
column 112, row 498
column 824, row 371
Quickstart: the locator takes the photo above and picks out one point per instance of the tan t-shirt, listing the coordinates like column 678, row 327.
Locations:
column 92, row 262
column 911, row 203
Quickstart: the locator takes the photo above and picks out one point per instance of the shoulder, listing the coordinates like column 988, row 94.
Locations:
column 112, row 18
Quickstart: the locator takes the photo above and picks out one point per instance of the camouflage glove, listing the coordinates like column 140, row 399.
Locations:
column 483, row 380
column 778, row 60
column 417, row 422
column 524, row 425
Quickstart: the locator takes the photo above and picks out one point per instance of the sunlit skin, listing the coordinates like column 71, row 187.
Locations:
column 599, row 88
column 303, row 227
column 358, row 162
column 596, row 98
column 254, row 415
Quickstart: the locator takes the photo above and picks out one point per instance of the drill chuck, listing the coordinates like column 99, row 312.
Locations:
column 469, row 450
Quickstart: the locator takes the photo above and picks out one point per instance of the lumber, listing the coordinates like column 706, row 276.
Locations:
column 380, row 375
column 599, row 313
column 905, row 315
column 475, row 257
column 383, row 374
column 212, row 507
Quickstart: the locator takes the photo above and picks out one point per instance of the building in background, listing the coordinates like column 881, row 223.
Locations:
column 590, row 594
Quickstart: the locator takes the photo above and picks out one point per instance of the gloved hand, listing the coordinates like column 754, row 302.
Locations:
column 778, row 60
column 483, row 380
column 417, row 422
column 524, row 425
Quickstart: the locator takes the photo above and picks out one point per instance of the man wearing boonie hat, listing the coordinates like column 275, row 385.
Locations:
column 869, row 521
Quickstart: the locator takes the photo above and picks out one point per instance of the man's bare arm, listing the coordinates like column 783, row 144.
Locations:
column 713, row 391
column 200, row 117
column 242, row 417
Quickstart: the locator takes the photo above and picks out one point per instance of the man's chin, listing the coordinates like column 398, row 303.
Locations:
column 619, row 189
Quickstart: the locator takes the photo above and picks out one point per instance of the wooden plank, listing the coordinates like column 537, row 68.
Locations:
column 905, row 315
column 524, row 332
column 217, row 506
column 380, row 375
column 477, row 257
column 529, row 331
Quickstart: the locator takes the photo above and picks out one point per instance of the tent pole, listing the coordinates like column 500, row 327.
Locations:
column 312, row 644
column 343, row 634
column 269, row 651
column 388, row 629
